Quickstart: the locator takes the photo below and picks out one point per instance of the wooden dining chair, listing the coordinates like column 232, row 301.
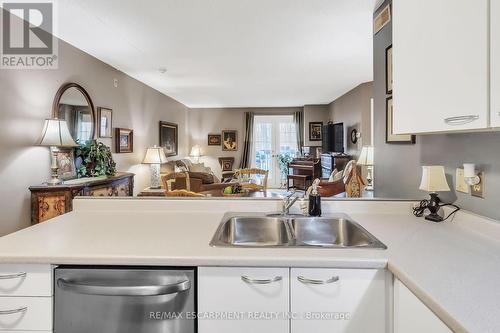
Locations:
column 245, row 174
column 183, row 193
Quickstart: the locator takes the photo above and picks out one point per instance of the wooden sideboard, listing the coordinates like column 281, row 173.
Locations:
column 50, row 201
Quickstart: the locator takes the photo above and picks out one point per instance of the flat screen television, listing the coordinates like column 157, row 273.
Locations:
column 333, row 138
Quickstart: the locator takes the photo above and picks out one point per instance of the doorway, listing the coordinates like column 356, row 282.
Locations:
column 273, row 135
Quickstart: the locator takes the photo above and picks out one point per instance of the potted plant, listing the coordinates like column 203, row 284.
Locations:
column 283, row 160
column 94, row 159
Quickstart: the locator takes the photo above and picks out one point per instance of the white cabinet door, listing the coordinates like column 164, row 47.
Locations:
column 339, row 300
column 235, row 299
column 441, row 67
column 495, row 63
column 411, row 315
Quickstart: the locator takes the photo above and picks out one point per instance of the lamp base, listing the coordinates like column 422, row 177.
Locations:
column 54, row 180
column 155, row 176
column 369, row 179
column 433, row 208
column 434, row 217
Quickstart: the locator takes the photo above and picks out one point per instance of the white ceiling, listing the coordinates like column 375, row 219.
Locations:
column 229, row 53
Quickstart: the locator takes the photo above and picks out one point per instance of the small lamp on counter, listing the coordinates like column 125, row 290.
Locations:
column 154, row 157
column 366, row 159
column 196, row 153
column 433, row 181
column 55, row 135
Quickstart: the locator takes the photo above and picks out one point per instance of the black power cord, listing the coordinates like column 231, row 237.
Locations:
column 419, row 210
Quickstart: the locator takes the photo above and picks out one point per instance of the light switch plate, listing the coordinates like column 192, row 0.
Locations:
column 460, row 181
column 478, row 190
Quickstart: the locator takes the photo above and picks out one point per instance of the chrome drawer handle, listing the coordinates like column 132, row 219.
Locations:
column 461, row 120
column 9, row 312
column 13, row 276
column 249, row 280
column 312, row 281
column 117, row 290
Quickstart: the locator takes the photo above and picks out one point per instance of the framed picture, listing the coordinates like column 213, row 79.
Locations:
column 124, row 140
column 65, row 159
column 226, row 163
column 390, row 136
column 169, row 138
column 316, row 131
column 214, row 140
column 388, row 70
column 230, row 140
column 104, row 122
column 382, row 19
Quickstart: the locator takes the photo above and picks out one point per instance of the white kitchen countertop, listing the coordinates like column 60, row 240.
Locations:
column 453, row 267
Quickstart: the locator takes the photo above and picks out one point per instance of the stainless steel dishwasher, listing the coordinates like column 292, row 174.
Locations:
column 124, row 300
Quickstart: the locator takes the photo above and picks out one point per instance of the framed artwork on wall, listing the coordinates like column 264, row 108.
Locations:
column 214, row 139
column 65, row 159
column 104, row 122
column 390, row 136
column 382, row 19
column 169, row 138
column 316, row 131
column 388, row 70
column 229, row 140
column 124, row 140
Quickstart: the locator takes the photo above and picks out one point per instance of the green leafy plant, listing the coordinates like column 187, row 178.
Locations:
column 283, row 160
column 96, row 160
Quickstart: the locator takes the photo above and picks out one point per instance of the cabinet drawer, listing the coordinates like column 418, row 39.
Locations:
column 246, row 291
column 25, row 280
column 27, row 313
column 339, row 300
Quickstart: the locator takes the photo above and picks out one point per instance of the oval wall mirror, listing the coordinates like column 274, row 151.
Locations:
column 73, row 104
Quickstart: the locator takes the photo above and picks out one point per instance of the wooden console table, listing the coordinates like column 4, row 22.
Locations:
column 50, row 201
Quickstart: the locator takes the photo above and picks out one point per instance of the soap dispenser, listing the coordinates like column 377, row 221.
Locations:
column 315, row 200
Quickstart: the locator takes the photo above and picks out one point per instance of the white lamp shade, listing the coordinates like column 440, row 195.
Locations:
column 155, row 155
column 195, row 151
column 56, row 134
column 434, row 179
column 366, row 156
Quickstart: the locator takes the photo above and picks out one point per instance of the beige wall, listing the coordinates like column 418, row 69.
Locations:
column 26, row 98
column 354, row 110
column 202, row 122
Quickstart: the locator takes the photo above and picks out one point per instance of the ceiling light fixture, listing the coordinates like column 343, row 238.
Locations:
column 162, row 70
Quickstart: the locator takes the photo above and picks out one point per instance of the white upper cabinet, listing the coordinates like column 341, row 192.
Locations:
column 495, row 63
column 339, row 300
column 441, row 65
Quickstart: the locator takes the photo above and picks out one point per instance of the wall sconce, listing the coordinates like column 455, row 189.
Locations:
column 470, row 176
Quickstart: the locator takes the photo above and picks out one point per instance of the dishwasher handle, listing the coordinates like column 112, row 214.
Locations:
column 131, row 290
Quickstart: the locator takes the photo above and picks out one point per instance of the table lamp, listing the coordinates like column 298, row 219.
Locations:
column 196, row 153
column 433, row 181
column 55, row 134
column 154, row 157
column 366, row 159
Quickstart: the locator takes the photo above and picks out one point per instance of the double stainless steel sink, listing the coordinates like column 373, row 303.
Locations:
column 338, row 231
